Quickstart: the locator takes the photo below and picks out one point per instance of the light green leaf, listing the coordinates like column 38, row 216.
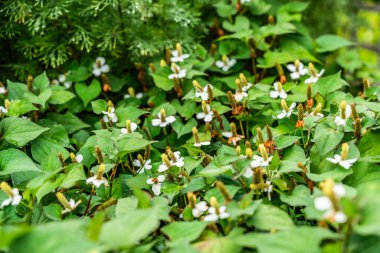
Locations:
column 13, row 160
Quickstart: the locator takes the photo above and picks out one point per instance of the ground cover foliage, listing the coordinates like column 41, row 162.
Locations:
column 247, row 142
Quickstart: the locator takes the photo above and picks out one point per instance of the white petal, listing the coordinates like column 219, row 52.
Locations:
column 295, row 76
column 156, row 122
column 227, row 134
column 6, row 202
column 323, row 203
column 170, row 119
column 274, row 94
column 339, row 190
column 150, row 181
column 332, row 160
column 283, row 94
column 161, row 178
column 211, row 217
column 162, row 168
column 340, row 217
column 345, row 164
column 79, row 158
column 96, row 72
column 101, row 60
column 291, row 67
column 282, row 115
column 156, row 188
column 248, row 173
column 105, row 68
column 136, row 163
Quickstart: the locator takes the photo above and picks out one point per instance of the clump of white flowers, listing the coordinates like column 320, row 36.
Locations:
column 130, row 127
column 278, row 91
column 344, row 113
column 205, row 93
column 142, row 164
column 156, row 184
column 133, row 94
column 100, row 66
column 178, row 73
column 197, row 141
column 216, row 212
column 207, row 113
column 162, row 120
column 342, row 159
column 97, row 180
column 110, row 114
column 175, row 160
column 286, row 111
column 240, row 94
column 177, row 55
column 14, row 197
column 297, row 70
column 226, row 63
column 314, row 76
column 329, row 202
column 68, row 205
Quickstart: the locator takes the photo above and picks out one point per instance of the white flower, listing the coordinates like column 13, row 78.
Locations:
column 231, row 138
column 100, row 66
column 97, row 182
column 203, row 94
column 259, row 161
column 214, row 215
column 285, row 113
column 72, row 206
column 245, row 88
column 323, row 203
column 297, row 72
column 62, row 80
column 278, row 91
column 248, row 173
column 177, row 57
column 177, row 72
column 14, row 198
column 269, row 189
column 202, row 143
column 225, row 64
column 176, row 161
column 207, row 113
column 126, row 130
column 79, row 158
column 316, row 114
column 244, row 1
column 340, row 217
column 339, row 121
column 239, row 95
column 339, row 190
column 139, row 95
column 162, row 120
column 110, row 115
column 199, row 209
column 145, row 166
column 156, row 184
column 3, row 109
column 347, row 163
column 3, row 90
column 314, row 79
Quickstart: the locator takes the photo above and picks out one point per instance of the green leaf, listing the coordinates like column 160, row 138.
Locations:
column 300, row 196
column 71, row 122
column 75, row 174
column 128, row 113
column 285, row 141
column 99, row 105
column 184, row 231
column 20, row 107
column 19, row 131
column 131, row 143
column 60, row 95
column 329, row 42
column 41, row 99
column 16, row 90
column 161, row 78
column 13, row 160
column 269, row 217
column 182, row 129
column 90, row 92
column 329, row 84
column 326, row 138
column 53, row 211
column 125, row 231
column 41, row 82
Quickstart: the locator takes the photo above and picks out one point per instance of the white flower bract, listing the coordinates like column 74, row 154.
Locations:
column 100, row 66
column 277, row 92
column 225, row 65
column 347, row 163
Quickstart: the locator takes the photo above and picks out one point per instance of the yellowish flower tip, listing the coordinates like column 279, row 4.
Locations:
column 6, row 188
column 110, row 105
column 300, row 112
column 357, row 128
column 214, row 203
column 269, row 133
column 366, row 83
column 224, row 58
column 210, row 94
column 223, row 190
column 191, row 199
column 204, row 107
column 99, row 174
column 312, row 70
column 197, row 86
column 170, row 154
column 99, row 155
column 271, row 20
column 128, row 126
column 243, row 79
column 163, row 63
column 7, row 103
column 309, row 92
column 63, row 200
column 284, row 105
column 260, row 136
column 238, row 85
column 280, row 70
column 263, row 152
column 257, row 178
column 29, row 82
column 249, row 153
column 175, row 67
column 165, row 160
column 344, row 154
column 302, row 166
column 140, row 158
column 317, row 109
column 163, row 115
column 179, row 49
column 131, row 92
column 279, row 84
column 343, row 106
column 354, row 112
column 297, row 64
column 231, row 98
column 233, row 129
column 327, row 188
column 247, row 144
column 152, row 67
column 238, row 150
column 196, row 135
column 73, row 157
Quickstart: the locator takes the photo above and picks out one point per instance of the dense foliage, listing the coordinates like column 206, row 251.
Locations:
column 244, row 141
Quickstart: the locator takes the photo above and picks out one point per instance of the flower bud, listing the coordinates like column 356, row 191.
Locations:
column 269, row 132
column 197, row 86
column 6, row 188
column 165, row 160
column 100, row 172
column 312, row 70
column 344, row 153
column 29, row 82
column 223, row 190
column 191, row 199
column 263, row 152
column 249, row 153
column 63, row 200
column 260, row 136
column 99, row 156
column 195, row 134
